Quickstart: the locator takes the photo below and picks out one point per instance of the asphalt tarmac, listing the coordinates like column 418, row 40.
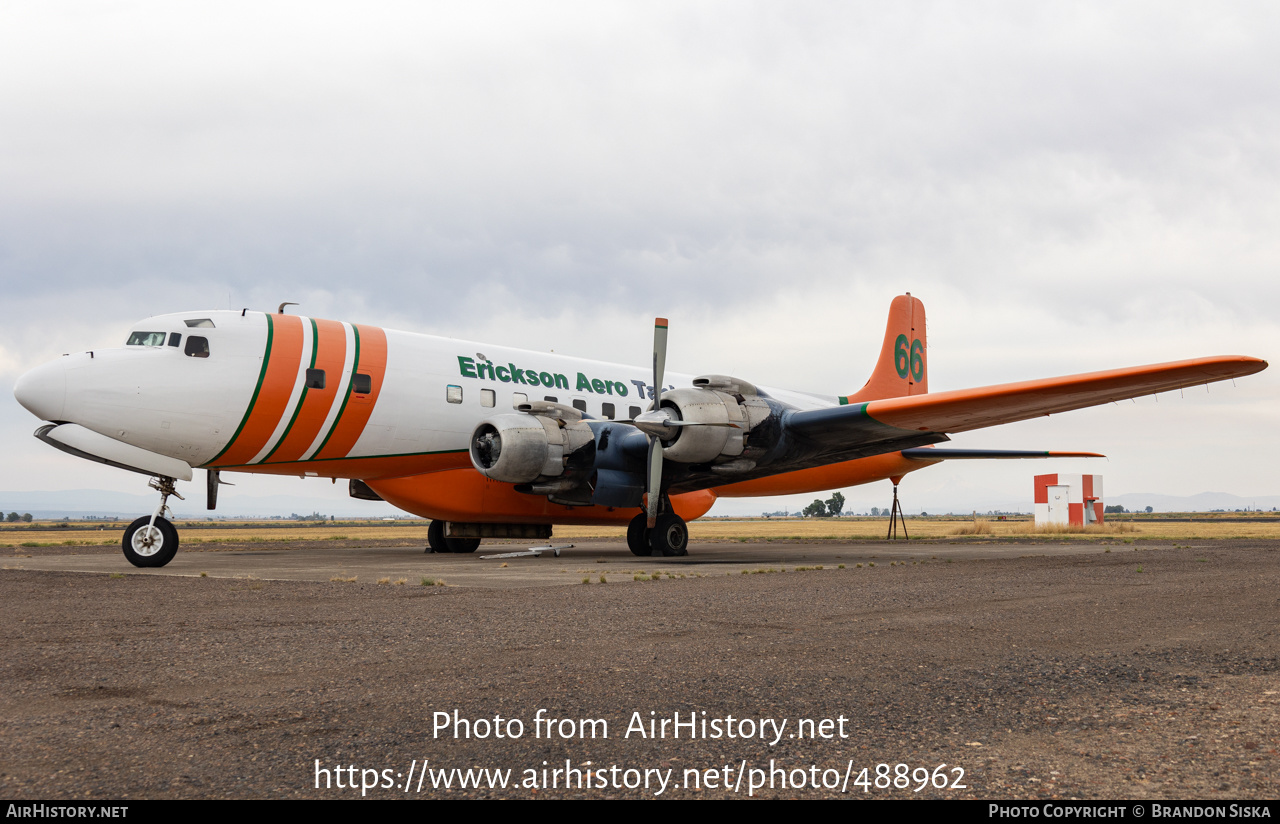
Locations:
column 322, row 560
column 976, row 670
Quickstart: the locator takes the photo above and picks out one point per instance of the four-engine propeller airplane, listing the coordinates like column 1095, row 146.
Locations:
column 495, row 442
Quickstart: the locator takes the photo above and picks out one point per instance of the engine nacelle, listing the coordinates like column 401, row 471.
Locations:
column 716, row 399
column 524, row 448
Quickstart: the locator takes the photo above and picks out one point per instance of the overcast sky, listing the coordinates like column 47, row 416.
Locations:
column 1068, row 187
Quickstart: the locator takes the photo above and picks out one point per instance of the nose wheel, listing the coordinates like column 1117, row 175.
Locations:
column 148, row 544
column 152, row 541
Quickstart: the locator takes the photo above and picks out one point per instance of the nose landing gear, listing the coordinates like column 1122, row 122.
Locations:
column 153, row 541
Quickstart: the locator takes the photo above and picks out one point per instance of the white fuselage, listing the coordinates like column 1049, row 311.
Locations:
column 424, row 398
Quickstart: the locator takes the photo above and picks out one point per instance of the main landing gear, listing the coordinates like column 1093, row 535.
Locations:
column 669, row 537
column 437, row 542
column 153, row 541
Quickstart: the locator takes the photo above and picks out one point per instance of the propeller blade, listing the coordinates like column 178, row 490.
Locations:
column 659, row 359
column 653, row 485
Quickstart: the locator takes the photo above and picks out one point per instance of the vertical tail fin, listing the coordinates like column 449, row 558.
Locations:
column 903, row 367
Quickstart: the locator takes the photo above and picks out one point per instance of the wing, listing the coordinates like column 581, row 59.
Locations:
column 928, row 453
column 820, row 437
column 967, row 409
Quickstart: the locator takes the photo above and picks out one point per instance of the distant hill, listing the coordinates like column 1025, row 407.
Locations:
column 1204, row 502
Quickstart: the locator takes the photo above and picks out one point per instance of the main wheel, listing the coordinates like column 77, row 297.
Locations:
column 462, row 544
column 638, row 535
column 435, row 537
column 147, row 545
column 669, row 536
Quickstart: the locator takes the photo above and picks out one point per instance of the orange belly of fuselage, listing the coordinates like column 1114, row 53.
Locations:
column 467, row 496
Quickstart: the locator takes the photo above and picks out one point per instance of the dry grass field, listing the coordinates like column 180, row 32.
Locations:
column 197, row 532
column 45, row 533
column 876, row 528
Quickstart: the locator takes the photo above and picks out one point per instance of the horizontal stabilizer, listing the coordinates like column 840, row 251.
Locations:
column 930, row 454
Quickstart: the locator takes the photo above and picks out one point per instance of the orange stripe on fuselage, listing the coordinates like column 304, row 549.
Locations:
column 283, row 362
column 372, row 362
column 330, row 355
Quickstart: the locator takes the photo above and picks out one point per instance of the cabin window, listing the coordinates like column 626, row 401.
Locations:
column 606, row 411
column 551, row 398
column 488, row 397
column 634, row 412
column 146, row 339
column 361, row 384
column 197, row 347
column 199, row 323
column 518, row 398
column 315, row 379
column 453, row 394
column 175, row 338
column 579, row 404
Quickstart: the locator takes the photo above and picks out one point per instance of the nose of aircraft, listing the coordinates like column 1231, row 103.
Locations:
column 43, row 390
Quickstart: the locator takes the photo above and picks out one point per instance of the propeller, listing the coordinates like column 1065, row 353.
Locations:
column 660, row 424
column 657, row 423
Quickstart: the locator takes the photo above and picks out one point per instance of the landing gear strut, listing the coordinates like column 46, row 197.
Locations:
column 153, row 541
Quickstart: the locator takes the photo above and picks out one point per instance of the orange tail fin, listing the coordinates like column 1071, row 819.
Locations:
column 903, row 367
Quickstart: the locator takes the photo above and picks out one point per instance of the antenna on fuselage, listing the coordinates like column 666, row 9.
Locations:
column 280, row 311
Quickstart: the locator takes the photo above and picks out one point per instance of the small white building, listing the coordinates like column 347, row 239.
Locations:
column 1070, row 500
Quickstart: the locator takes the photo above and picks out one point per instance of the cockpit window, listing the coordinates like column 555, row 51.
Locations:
column 175, row 338
column 199, row 323
column 146, row 339
column 197, row 347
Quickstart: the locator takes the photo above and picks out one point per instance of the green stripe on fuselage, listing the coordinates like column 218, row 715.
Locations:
column 315, row 348
column 262, row 375
column 355, row 366
column 368, row 458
